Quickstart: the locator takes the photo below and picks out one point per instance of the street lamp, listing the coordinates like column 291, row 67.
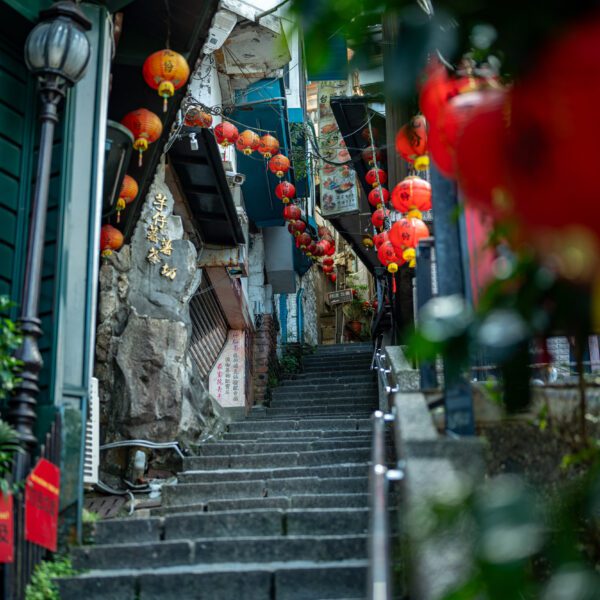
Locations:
column 57, row 51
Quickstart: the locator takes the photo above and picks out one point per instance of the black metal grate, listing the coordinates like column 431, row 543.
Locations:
column 209, row 327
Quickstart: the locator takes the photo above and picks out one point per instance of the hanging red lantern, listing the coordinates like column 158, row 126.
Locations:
column 327, row 268
column 298, row 227
column 111, row 239
column 412, row 194
column 379, row 238
column 375, row 177
column 290, row 228
column 127, row 194
column 285, row 191
column 194, row 117
column 371, row 155
column 323, row 231
column 411, row 140
column 332, row 277
column 279, row 165
column 407, row 232
column 165, row 71
column 374, row 304
column 379, row 216
column 226, row 133
column 328, row 261
column 378, row 197
column 304, row 240
column 291, row 212
column 325, row 246
column 331, row 250
column 146, row 128
column 268, row 146
column 311, row 248
column 388, row 258
column 248, row 142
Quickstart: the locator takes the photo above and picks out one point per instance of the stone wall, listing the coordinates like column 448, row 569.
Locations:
column 149, row 386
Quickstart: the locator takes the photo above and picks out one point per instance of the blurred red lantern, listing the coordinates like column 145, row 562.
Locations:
column 379, row 216
column 371, row 155
column 128, row 193
column 412, row 193
column 379, row 238
column 285, row 191
column 323, row 231
column 388, row 258
column 111, row 239
column 194, row 117
column 407, row 232
column 327, row 269
column 378, row 197
column 411, row 140
column 269, row 146
column 279, row 165
column 375, row 177
column 331, row 250
column 298, row 227
column 248, row 142
column 325, row 245
column 290, row 228
column 291, row 212
column 374, row 304
column 146, row 128
column 332, row 277
column 226, row 133
column 165, row 71
column 311, row 248
column 304, row 240
column 328, row 261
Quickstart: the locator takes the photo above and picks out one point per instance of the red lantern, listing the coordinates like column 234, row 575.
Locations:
column 111, row 239
column 311, row 248
column 165, row 71
column 332, row 277
column 226, row 133
column 412, row 193
column 325, row 245
column 248, row 142
column 378, row 197
column 128, row 193
column 411, row 140
column 279, row 165
column 285, row 191
column 407, row 232
column 304, row 240
column 291, row 212
column 269, row 146
column 331, row 250
column 379, row 216
column 146, row 128
column 298, row 227
column 194, row 117
column 323, row 231
column 328, row 261
column 374, row 304
column 371, row 155
column 327, row 269
column 388, row 258
column 376, row 177
column 290, row 228
column 379, row 238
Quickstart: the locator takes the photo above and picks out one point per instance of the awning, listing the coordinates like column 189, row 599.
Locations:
column 204, row 184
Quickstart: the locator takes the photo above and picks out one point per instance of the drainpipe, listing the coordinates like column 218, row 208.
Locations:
column 283, row 317
column 299, row 317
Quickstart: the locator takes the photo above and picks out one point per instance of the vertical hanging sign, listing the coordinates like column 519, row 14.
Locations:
column 41, row 504
column 7, row 541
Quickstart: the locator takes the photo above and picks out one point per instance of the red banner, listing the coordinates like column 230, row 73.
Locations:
column 42, row 490
column 7, row 541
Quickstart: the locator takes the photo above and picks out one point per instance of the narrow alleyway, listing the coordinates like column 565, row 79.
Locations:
column 276, row 510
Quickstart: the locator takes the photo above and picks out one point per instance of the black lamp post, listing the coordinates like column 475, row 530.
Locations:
column 57, row 51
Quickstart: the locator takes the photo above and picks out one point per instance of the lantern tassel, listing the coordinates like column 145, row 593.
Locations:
column 164, row 105
column 140, row 159
column 394, row 284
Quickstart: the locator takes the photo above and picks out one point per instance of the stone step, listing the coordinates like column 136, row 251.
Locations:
column 312, row 412
column 223, row 550
column 186, row 493
column 282, row 502
column 298, row 580
column 304, row 379
column 341, row 470
column 232, row 448
column 340, row 366
column 297, row 436
column 341, row 423
column 359, row 403
column 343, row 348
column 280, row 459
column 336, row 396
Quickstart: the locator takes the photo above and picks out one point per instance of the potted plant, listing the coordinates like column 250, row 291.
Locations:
column 354, row 313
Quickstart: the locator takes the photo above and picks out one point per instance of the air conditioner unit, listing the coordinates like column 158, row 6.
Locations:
column 91, row 460
column 222, row 25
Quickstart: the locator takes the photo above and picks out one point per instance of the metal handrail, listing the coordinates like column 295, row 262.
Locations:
column 379, row 364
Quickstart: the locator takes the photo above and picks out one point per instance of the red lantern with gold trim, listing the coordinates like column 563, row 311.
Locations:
column 285, row 191
column 248, row 142
column 226, row 133
column 146, row 128
column 379, row 216
column 128, row 193
column 331, row 250
column 375, row 177
column 412, row 194
column 327, row 268
column 303, row 241
column 328, row 261
column 268, row 146
column 165, row 71
column 111, row 239
column 371, row 155
column 388, row 257
column 407, row 232
column 291, row 212
column 379, row 238
column 332, row 277
column 411, row 140
column 194, row 117
column 298, row 227
column 279, row 165
column 378, row 197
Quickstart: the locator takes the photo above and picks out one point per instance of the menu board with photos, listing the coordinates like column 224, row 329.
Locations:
column 338, row 183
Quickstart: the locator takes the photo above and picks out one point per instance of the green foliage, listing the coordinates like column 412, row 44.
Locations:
column 289, row 363
column 41, row 586
column 298, row 154
column 9, row 445
column 10, row 340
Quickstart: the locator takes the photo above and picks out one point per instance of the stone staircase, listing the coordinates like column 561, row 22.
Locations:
column 277, row 510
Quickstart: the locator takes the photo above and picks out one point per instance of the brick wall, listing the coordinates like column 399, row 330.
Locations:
column 265, row 354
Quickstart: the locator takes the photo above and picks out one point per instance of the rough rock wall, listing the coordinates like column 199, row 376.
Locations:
column 149, row 386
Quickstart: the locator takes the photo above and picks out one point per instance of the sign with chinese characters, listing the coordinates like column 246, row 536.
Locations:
column 7, row 540
column 338, row 183
column 227, row 381
column 339, row 297
column 162, row 245
column 42, row 490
